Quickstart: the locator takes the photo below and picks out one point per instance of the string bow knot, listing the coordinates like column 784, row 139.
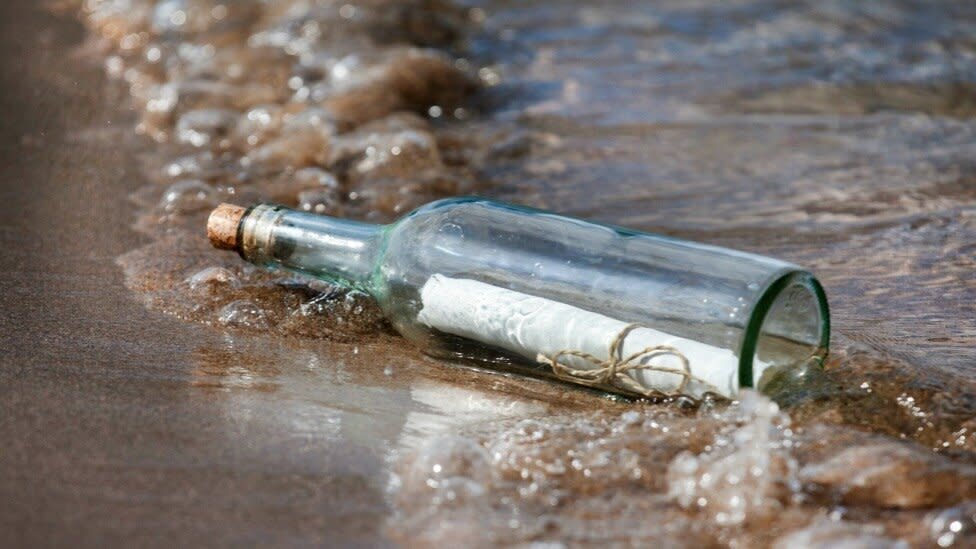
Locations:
column 614, row 371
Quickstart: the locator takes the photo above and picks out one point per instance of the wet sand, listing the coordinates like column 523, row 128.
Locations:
column 238, row 412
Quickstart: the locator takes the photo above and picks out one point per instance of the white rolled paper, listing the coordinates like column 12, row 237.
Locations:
column 528, row 325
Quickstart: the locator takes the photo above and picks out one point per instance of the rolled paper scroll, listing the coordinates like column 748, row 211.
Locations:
column 530, row 326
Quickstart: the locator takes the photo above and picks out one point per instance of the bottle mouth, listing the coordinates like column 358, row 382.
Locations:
column 789, row 327
column 254, row 232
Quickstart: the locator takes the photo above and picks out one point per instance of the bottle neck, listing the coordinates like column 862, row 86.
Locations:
column 337, row 250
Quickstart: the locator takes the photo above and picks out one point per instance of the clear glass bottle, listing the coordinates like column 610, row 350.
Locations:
column 527, row 290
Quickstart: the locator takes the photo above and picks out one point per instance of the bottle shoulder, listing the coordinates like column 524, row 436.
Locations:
column 444, row 205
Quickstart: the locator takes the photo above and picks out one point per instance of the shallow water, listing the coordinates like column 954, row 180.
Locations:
column 837, row 135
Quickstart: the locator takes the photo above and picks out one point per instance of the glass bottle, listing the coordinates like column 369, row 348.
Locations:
column 520, row 289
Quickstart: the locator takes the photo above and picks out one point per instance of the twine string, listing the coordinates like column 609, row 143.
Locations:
column 614, row 371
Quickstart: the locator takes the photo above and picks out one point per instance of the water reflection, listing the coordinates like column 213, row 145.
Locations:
column 359, row 394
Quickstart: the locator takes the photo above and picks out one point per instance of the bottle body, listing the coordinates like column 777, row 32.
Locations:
column 512, row 287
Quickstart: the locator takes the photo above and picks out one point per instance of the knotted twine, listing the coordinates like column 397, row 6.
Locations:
column 613, row 371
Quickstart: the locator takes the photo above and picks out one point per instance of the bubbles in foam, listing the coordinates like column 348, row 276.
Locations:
column 294, row 149
column 288, row 187
column 315, row 178
column 203, row 165
column 449, row 469
column 955, row 526
column 400, row 152
column 169, row 15
column 318, row 200
column 189, row 195
column 161, row 99
column 243, row 314
column 211, row 277
column 205, row 126
column 257, row 125
column 749, row 471
column 315, row 119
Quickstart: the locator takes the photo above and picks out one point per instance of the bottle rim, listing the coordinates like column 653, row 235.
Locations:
column 768, row 298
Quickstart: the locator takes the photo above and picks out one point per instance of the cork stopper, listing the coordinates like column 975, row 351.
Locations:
column 222, row 226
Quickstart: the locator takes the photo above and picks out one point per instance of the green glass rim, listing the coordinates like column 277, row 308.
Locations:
column 750, row 338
